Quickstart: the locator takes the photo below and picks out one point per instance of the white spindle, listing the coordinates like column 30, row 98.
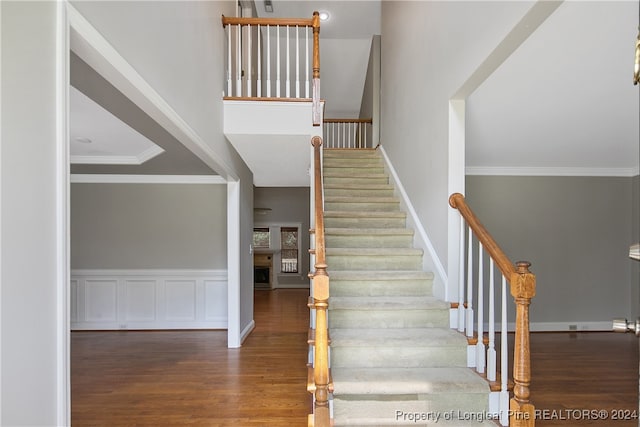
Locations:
column 461, row 308
column 278, row 61
column 504, row 363
column 268, row 62
column 491, row 352
column 288, row 81
column 480, row 349
column 259, row 82
column 306, row 74
column 365, row 134
column 239, row 61
column 297, row 64
column 249, row 77
column 470, row 285
column 229, row 73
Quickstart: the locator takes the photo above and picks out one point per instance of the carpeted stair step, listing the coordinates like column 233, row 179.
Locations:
column 389, row 347
column 381, row 283
column 355, row 190
column 365, row 204
column 387, row 312
column 380, row 396
column 343, row 153
column 374, row 258
column 356, row 179
column 354, row 169
column 334, row 219
column 368, row 237
column 353, row 161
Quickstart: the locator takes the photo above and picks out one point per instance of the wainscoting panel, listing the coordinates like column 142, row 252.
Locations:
column 148, row 299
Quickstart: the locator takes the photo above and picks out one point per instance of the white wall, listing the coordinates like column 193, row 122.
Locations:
column 429, row 49
column 33, row 376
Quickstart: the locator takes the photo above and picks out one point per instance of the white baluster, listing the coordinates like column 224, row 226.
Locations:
column 229, row 73
column 504, row 363
column 307, row 60
column 278, row 61
column 471, row 356
column 268, row 62
column 480, row 348
column 259, row 82
column 249, row 77
column 239, row 61
column 491, row 352
column 297, row 64
column 461, row 308
column 288, row 81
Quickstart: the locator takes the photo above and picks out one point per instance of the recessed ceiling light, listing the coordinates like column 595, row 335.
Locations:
column 324, row 15
column 83, row 140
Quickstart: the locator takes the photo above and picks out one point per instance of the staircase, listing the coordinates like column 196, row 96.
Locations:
column 394, row 359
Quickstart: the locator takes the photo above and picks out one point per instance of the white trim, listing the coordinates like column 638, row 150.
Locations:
column 246, row 331
column 219, row 274
column 140, row 299
column 146, row 179
column 96, row 51
column 63, row 342
column 550, row 171
column 1, row 365
column 234, row 335
column 139, row 159
column 431, row 260
column 456, row 184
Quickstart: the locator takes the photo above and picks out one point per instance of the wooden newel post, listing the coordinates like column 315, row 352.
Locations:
column 321, row 354
column 316, row 108
column 523, row 289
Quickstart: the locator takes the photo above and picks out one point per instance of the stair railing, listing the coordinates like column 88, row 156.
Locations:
column 319, row 302
column 518, row 411
column 348, row 133
column 270, row 59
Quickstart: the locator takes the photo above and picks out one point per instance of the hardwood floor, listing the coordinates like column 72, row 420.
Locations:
column 175, row 378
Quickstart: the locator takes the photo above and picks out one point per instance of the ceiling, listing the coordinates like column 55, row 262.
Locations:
column 125, row 140
column 562, row 103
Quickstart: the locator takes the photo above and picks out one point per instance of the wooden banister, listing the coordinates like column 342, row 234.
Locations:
column 316, row 106
column 457, row 201
column 348, row 120
column 320, row 301
column 523, row 289
column 283, row 22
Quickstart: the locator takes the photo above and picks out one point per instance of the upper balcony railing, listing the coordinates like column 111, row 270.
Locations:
column 273, row 59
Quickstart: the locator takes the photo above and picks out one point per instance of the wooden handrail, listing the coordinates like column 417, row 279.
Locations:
column 457, row 201
column 523, row 288
column 320, row 300
column 283, row 22
column 348, row 120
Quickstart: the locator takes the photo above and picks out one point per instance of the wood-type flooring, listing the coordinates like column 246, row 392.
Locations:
column 190, row 378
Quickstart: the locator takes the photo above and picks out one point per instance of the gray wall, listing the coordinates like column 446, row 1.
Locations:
column 635, row 269
column 576, row 232
column 146, row 226
column 32, row 364
column 288, row 205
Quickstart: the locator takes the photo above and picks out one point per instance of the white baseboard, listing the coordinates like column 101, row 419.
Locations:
column 148, row 299
column 246, row 331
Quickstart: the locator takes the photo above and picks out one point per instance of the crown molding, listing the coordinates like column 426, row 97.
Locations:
column 146, row 179
column 551, row 171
